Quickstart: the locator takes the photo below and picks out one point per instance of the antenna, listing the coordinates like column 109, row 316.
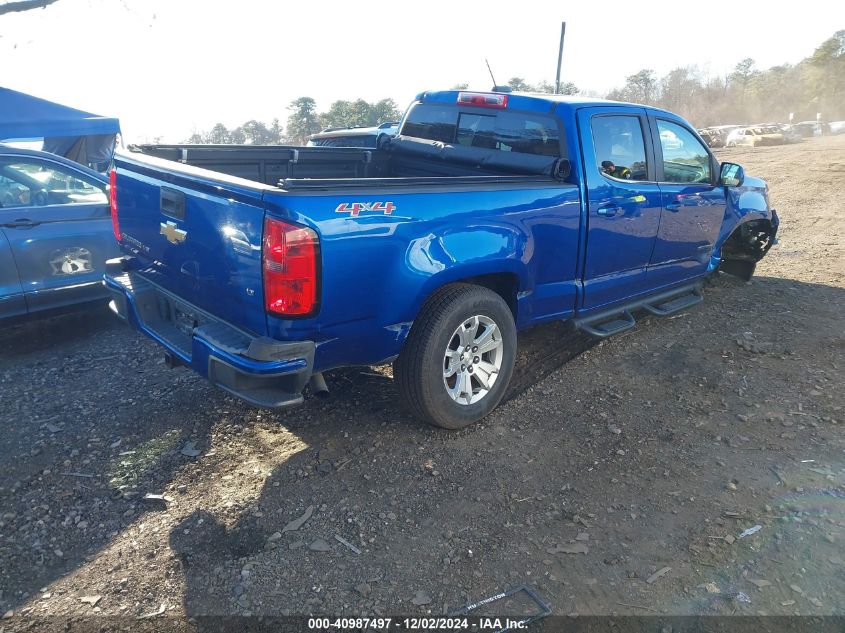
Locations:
column 560, row 57
column 491, row 72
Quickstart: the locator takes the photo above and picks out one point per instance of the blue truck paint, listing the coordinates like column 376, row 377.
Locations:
column 555, row 249
column 53, row 242
column 227, row 223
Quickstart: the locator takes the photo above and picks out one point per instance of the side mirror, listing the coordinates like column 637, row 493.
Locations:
column 731, row 175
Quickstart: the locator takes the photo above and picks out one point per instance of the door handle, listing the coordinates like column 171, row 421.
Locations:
column 21, row 223
column 674, row 207
column 609, row 211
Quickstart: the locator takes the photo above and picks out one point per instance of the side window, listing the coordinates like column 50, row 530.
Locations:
column 620, row 148
column 35, row 184
column 685, row 159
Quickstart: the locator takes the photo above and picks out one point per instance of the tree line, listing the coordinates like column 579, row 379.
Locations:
column 302, row 121
column 748, row 94
column 744, row 95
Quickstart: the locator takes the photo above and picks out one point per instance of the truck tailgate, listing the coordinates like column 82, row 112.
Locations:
column 197, row 234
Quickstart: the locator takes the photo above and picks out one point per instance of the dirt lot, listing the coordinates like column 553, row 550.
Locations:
column 618, row 482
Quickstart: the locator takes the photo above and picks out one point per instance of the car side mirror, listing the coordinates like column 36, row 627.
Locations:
column 731, row 175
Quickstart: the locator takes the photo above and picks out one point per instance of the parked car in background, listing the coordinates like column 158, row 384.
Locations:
column 355, row 136
column 790, row 134
column 837, row 127
column 754, row 137
column 713, row 138
column 489, row 213
column 811, row 128
column 55, row 233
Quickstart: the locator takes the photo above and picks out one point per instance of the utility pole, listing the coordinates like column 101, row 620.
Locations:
column 560, row 57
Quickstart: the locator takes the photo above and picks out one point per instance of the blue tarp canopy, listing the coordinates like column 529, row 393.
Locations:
column 81, row 136
column 25, row 116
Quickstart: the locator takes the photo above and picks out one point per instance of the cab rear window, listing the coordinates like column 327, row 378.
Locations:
column 504, row 131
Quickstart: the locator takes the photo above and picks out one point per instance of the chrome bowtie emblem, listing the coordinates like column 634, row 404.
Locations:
column 172, row 232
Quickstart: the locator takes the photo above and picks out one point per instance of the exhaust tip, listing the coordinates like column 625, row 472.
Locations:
column 318, row 386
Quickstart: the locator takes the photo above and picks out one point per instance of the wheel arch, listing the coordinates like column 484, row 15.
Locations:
column 506, row 282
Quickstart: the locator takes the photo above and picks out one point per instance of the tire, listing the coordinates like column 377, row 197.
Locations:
column 454, row 315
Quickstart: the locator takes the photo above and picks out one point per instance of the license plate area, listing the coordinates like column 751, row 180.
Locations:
column 184, row 320
column 172, row 320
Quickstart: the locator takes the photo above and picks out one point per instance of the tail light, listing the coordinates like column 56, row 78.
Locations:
column 291, row 268
column 483, row 99
column 115, row 225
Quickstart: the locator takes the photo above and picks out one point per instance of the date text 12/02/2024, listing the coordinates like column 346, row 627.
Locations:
column 418, row 624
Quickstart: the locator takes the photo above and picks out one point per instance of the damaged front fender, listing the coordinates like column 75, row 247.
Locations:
column 746, row 246
column 749, row 229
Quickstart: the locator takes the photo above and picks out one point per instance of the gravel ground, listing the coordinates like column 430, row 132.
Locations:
column 617, row 479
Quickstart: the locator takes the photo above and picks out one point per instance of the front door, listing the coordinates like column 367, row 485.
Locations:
column 11, row 294
column 58, row 227
column 623, row 201
column 693, row 205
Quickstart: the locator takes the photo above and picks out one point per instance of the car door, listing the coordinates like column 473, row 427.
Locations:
column 12, row 302
column 623, row 202
column 58, row 229
column 693, row 204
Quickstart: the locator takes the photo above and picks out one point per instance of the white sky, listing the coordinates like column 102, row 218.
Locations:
column 168, row 67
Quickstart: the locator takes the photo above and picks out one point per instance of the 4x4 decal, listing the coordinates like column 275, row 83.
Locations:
column 356, row 208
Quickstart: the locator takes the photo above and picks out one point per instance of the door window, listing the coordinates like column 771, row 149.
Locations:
column 685, row 159
column 31, row 183
column 620, row 148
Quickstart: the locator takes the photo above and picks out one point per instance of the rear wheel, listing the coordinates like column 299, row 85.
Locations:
column 459, row 356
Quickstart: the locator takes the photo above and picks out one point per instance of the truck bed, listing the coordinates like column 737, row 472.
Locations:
column 404, row 161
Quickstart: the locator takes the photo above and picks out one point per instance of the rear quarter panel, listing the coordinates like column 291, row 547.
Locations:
column 378, row 268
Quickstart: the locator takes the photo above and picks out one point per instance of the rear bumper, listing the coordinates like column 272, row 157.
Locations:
column 260, row 370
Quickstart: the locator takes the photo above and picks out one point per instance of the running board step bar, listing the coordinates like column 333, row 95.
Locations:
column 665, row 307
column 620, row 319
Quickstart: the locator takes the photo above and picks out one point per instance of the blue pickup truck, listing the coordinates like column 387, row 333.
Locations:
column 262, row 267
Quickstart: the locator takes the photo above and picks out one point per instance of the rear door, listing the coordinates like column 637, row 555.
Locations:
column 624, row 202
column 58, row 230
column 197, row 234
column 693, row 205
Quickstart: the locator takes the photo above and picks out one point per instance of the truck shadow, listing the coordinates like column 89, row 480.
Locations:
column 361, row 402
column 116, row 420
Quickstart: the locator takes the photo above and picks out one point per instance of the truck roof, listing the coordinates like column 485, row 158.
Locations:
column 532, row 102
